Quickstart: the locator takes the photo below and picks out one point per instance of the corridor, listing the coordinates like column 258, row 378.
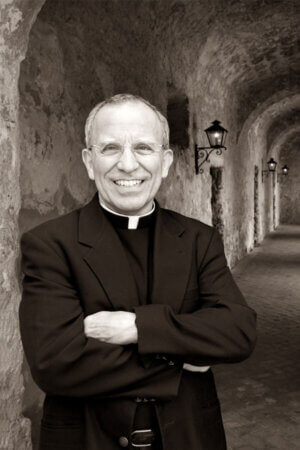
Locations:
column 261, row 397
column 234, row 64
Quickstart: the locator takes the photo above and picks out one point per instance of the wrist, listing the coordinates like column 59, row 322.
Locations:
column 133, row 329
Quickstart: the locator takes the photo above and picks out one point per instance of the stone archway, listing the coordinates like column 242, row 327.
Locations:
column 290, row 184
column 74, row 46
column 16, row 21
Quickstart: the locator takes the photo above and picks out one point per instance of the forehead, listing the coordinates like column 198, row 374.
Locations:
column 132, row 118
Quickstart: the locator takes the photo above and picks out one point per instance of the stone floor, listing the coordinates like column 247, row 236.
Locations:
column 261, row 397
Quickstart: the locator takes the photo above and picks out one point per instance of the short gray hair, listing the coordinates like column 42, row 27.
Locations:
column 123, row 98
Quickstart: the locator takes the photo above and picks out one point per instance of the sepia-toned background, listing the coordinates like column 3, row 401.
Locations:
column 197, row 60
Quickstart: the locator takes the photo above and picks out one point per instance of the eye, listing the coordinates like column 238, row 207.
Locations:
column 143, row 149
column 111, row 149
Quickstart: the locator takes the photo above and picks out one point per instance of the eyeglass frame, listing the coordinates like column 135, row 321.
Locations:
column 122, row 148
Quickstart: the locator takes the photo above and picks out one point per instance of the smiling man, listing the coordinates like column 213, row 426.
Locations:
column 126, row 305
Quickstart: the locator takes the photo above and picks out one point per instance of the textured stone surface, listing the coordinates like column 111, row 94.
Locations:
column 235, row 61
column 216, row 198
column 290, row 184
column 227, row 71
column 15, row 23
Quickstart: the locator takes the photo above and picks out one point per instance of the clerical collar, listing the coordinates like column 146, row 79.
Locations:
column 129, row 222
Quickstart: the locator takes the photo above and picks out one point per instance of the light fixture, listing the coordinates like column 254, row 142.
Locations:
column 216, row 136
column 272, row 164
column 284, row 172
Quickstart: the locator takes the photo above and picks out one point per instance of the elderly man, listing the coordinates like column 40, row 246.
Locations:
column 126, row 304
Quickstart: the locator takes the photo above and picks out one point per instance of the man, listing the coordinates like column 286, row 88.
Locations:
column 126, row 304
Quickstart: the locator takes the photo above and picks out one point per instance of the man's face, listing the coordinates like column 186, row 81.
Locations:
column 127, row 162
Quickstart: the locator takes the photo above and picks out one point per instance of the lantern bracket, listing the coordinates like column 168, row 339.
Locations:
column 202, row 155
column 264, row 173
column 284, row 172
column 216, row 136
column 271, row 168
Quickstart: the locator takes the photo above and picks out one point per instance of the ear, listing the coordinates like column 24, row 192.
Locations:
column 87, row 158
column 167, row 162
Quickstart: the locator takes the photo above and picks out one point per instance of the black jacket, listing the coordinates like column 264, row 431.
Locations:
column 75, row 266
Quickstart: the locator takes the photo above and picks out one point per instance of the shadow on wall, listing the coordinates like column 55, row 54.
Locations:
column 178, row 117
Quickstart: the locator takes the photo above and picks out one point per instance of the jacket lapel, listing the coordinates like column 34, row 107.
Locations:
column 106, row 257
column 171, row 260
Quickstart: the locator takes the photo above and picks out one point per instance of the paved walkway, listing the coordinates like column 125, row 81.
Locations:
column 261, row 397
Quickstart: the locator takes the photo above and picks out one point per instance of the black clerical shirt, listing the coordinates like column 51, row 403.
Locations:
column 137, row 242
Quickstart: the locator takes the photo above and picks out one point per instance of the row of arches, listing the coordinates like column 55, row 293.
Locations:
column 197, row 61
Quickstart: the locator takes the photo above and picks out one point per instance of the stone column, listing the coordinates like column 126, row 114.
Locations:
column 217, row 198
column 16, row 18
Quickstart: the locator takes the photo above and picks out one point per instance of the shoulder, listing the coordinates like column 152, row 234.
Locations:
column 60, row 232
column 63, row 225
column 207, row 242
column 189, row 223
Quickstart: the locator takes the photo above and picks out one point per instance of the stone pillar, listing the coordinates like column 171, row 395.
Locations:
column 217, row 198
column 16, row 18
column 256, row 206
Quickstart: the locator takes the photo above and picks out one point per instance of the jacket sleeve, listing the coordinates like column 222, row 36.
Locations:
column 63, row 361
column 220, row 330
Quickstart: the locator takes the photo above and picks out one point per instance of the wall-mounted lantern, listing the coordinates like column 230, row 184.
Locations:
column 284, row 172
column 216, row 136
column 272, row 164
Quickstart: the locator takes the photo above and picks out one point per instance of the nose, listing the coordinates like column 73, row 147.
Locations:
column 127, row 162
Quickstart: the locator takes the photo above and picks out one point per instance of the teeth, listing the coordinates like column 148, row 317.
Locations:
column 128, row 182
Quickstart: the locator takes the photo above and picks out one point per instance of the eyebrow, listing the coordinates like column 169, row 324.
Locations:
column 143, row 140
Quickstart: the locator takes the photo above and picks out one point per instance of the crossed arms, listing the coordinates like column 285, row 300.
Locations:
column 73, row 356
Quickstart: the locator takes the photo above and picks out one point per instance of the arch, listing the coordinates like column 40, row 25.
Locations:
column 289, row 154
column 241, row 71
column 283, row 138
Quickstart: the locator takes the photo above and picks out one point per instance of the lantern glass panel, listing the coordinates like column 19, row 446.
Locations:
column 272, row 165
column 216, row 135
column 285, row 170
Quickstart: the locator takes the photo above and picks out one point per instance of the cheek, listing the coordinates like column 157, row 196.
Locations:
column 100, row 170
column 156, row 169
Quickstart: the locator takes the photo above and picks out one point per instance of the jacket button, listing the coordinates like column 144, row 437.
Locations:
column 123, row 441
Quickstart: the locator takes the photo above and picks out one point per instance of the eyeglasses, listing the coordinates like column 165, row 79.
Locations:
column 116, row 150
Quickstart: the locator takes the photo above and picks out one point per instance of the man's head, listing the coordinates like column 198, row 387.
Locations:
column 127, row 152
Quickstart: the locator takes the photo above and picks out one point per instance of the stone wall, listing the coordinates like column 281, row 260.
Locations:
column 177, row 54
column 15, row 24
column 290, row 184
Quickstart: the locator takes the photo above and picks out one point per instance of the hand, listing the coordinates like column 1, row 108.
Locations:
column 113, row 327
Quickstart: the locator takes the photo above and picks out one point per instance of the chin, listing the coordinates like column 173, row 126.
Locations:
column 132, row 207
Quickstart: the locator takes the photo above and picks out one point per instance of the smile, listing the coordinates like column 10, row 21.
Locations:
column 128, row 183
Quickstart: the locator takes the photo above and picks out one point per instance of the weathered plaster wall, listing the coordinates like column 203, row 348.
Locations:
column 261, row 137
column 15, row 21
column 241, row 70
column 52, row 177
column 170, row 44
column 290, row 184
column 73, row 62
